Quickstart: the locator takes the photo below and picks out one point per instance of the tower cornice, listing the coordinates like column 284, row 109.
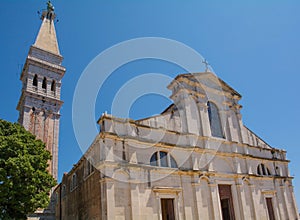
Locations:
column 34, row 47
column 39, row 97
column 42, row 64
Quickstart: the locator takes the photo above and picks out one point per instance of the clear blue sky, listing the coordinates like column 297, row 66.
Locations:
column 253, row 46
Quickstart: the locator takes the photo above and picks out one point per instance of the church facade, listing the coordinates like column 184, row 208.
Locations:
column 195, row 160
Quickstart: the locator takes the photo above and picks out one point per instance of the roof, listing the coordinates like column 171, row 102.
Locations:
column 46, row 39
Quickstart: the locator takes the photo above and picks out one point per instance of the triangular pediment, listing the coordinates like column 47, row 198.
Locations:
column 211, row 80
column 205, row 81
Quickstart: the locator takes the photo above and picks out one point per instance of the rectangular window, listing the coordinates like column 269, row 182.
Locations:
column 167, row 209
column 226, row 202
column 270, row 208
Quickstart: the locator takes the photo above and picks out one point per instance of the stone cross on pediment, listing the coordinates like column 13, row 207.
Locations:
column 206, row 65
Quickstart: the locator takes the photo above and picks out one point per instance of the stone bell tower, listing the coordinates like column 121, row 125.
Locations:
column 39, row 104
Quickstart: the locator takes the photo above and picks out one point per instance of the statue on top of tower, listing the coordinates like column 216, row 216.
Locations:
column 50, row 7
column 49, row 13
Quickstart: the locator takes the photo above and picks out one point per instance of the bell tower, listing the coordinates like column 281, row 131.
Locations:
column 39, row 104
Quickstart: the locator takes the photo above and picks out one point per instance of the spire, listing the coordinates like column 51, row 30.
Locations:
column 46, row 39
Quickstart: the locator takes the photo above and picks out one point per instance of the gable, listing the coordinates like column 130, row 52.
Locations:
column 202, row 82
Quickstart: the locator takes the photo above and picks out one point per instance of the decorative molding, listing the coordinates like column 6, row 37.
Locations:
column 269, row 191
column 167, row 190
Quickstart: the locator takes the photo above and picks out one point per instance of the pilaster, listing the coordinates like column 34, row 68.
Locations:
column 203, row 112
column 215, row 201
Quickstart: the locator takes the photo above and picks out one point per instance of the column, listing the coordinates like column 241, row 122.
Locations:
column 217, row 214
column 295, row 209
column 247, row 201
column 110, row 199
column 203, row 199
column 240, row 204
column 281, row 201
column 135, row 202
column 237, row 206
column 205, row 126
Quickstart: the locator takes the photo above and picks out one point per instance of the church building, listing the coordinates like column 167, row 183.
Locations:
column 195, row 160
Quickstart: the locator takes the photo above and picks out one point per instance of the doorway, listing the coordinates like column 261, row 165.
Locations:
column 270, row 208
column 167, row 209
column 226, row 202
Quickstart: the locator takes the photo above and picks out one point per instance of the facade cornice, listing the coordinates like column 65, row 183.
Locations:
column 190, row 148
column 137, row 124
column 103, row 165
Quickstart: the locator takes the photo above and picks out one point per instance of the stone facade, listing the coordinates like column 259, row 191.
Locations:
column 196, row 160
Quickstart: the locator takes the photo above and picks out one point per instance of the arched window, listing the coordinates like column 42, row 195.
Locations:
column 259, row 170
column 154, row 159
column 35, row 80
column 89, row 167
column 44, row 85
column 73, row 182
column 53, row 84
column 173, row 162
column 214, row 120
column 262, row 170
column 278, row 171
column 163, row 159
